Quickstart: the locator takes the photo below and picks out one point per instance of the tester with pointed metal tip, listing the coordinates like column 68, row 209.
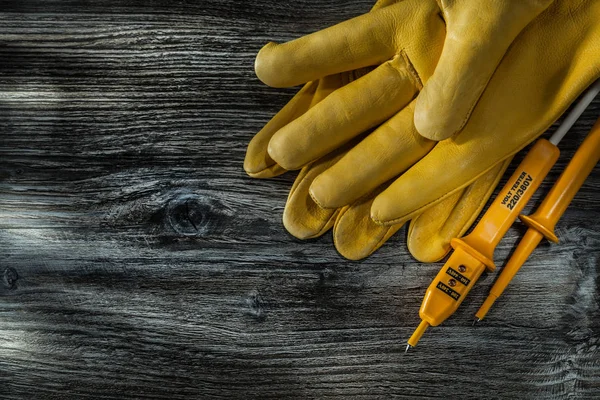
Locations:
column 541, row 224
column 474, row 253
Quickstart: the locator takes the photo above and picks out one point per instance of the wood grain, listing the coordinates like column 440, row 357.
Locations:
column 138, row 260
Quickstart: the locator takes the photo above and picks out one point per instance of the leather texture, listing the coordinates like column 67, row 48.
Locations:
column 553, row 60
column 355, row 234
column 497, row 72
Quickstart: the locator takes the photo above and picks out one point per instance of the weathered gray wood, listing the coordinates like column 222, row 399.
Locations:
column 138, row 260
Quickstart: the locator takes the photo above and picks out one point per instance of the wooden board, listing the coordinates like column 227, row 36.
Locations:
column 138, row 260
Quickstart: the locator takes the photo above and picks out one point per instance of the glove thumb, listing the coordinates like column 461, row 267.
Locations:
column 476, row 39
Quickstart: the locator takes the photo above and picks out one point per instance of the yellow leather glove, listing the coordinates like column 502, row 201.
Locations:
column 554, row 55
column 408, row 38
column 355, row 234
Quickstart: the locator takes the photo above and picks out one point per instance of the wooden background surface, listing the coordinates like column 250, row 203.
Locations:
column 138, row 260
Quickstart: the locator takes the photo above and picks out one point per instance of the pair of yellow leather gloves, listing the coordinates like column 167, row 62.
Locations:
column 414, row 110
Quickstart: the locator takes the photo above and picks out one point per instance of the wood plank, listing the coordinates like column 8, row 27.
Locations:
column 138, row 260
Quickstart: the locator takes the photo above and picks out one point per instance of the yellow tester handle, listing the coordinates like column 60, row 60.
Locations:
column 541, row 224
column 568, row 184
column 475, row 251
column 505, row 209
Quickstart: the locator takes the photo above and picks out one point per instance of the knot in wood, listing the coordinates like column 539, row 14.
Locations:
column 326, row 275
column 193, row 215
column 255, row 305
column 9, row 278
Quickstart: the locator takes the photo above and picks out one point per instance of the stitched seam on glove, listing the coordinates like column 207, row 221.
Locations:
column 416, row 79
column 407, row 70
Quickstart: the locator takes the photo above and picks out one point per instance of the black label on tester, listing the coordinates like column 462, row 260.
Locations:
column 452, row 293
column 458, row 276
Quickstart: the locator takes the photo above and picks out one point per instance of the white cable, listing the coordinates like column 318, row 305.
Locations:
column 575, row 113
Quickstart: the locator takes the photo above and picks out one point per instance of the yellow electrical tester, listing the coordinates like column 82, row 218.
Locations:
column 475, row 252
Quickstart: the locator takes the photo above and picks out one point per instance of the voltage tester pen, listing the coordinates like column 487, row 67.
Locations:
column 541, row 223
column 474, row 252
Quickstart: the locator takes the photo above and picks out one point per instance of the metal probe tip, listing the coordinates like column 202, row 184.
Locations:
column 414, row 339
column 407, row 348
column 476, row 321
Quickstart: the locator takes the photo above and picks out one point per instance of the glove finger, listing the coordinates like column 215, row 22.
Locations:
column 387, row 152
column 355, row 234
column 302, row 217
column 475, row 43
column 424, row 184
column 359, row 42
column 347, row 112
column 258, row 163
column 430, row 233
